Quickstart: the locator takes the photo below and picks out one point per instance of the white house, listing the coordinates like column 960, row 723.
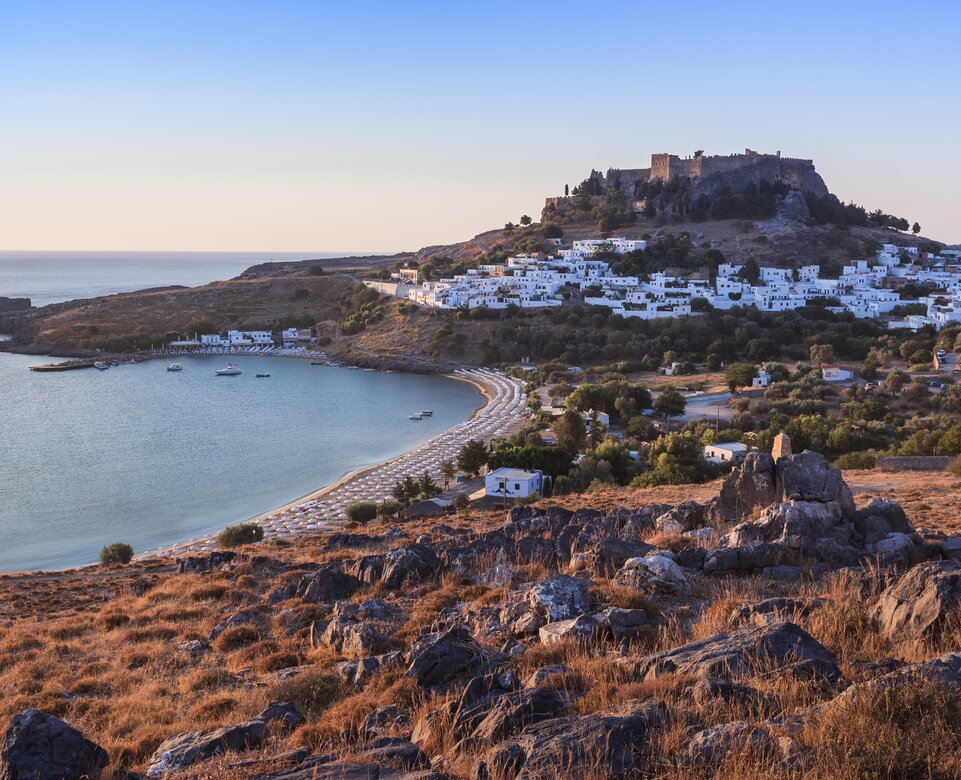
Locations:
column 293, row 337
column 729, row 452
column 603, row 418
column 836, row 373
column 213, row 340
column 763, row 379
column 514, row 483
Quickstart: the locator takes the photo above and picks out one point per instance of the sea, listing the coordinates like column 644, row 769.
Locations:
column 152, row 458
column 53, row 277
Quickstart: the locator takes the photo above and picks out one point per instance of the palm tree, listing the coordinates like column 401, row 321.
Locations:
column 447, row 469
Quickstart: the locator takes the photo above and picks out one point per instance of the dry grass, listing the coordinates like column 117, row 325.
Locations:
column 99, row 649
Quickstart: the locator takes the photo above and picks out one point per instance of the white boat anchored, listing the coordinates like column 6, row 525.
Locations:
column 426, row 412
column 175, row 367
column 415, row 417
column 100, row 365
column 263, row 375
column 230, row 370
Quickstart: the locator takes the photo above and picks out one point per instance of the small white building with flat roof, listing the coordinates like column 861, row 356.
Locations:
column 728, row 452
column 514, row 483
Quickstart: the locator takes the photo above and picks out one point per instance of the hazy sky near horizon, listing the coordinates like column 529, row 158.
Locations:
column 383, row 126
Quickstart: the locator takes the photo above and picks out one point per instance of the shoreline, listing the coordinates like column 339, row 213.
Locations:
column 504, row 407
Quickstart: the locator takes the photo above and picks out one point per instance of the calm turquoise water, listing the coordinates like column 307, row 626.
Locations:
column 151, row 457
column 52, row 277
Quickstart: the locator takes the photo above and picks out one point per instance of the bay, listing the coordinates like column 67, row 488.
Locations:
column 152, row 458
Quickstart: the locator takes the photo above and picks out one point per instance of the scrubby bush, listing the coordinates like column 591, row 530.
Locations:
column 855, row 461
column 118, row 552
column 243, row 533
column 362, row 511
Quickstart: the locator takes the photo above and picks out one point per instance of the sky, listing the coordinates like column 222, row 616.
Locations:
column 386, row 126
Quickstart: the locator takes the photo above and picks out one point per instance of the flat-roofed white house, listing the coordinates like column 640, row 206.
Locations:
column 728, row 452
column 836, row 373
column 514, row 483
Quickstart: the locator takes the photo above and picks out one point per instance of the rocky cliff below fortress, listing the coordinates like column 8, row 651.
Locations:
column 708, row 174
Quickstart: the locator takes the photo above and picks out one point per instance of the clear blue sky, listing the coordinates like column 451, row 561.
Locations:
column 386, row 126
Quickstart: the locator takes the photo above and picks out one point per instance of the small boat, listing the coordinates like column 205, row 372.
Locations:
column 263, row 375
column 427, row 412
column 415, row 417
column 175, row 367
column 101, row 365
column 230, row 370
column 318, row 362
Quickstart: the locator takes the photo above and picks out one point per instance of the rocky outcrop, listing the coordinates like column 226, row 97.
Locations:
column 559, row 597
column 607, row 743
column 437, row 659
column 191, row 747
column 37, row 746
column 780, row 648
column 746, row 491
column 917, row 605
column 409, row 565
column 814, row 523
column 654, row 574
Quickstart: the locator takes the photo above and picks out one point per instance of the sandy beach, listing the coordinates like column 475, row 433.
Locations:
column 504, row 411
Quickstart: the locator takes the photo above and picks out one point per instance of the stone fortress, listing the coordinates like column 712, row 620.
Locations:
column 709, row 174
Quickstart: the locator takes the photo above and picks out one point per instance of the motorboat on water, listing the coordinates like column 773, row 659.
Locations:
column 426, row 412
column 230, row 370
column 100, row 365
column 175, row 367
column 263, row 375
column 415, row 417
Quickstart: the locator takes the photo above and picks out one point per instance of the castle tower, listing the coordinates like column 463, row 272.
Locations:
column 782, row 446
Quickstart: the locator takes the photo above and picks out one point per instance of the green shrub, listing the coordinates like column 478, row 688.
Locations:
column 362, row 511
column 460, row 501
column 243, row 533
column 855, row 461
column 118, row 552
column 389, row 508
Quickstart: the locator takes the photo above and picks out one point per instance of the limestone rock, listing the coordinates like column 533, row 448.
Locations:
column 916, row 605
column 745, row 491
column 655, row 573
column 560, row 597
column 777, row 648
column 682, row 518
column 712, row 745
column 438, row 658
column 37, row 746
column 511, row 712
column 328, row 583
column 607, row 743
column 583, row 628
column 409, row 565
column 809, row 477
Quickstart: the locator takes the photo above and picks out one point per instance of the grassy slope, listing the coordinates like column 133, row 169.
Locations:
column 88, row 647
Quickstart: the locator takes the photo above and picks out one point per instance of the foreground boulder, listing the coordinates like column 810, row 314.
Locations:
column 560, row 597
column 777, row 648
column 918, row 604
column 37, row 746
column 606, row 743
column 188, row 748
column 329, row 583
column 654, row 574
column 409, row 565
column 437, row 659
